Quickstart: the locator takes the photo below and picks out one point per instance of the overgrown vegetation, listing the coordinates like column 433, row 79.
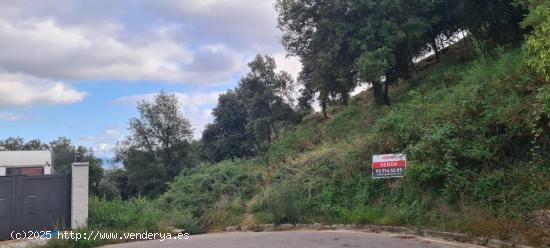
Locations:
column 477, row 144
column 117, row 216
column 474, row 122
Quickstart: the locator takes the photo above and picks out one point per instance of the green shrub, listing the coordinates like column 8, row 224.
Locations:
column 180, row 218
column 227, row 211
column 118, row 216
column 288, row 202
column 537, row 45
column 135, row 215
column 200, row 191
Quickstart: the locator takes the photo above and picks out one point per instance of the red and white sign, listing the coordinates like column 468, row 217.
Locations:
column 388, row 165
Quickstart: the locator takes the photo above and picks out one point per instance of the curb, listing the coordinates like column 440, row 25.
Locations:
column 450, row 236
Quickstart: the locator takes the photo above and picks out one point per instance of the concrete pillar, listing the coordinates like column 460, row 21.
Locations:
column 47, row 169
column 79, row 195
column 2, row 171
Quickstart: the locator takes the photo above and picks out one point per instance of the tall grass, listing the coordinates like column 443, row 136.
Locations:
column 117, row 216
column 475, row 131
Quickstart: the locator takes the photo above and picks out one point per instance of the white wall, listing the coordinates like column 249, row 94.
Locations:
column 79, row 195
column 27, row 159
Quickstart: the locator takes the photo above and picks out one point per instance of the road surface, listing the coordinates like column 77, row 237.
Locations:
column 298, row 239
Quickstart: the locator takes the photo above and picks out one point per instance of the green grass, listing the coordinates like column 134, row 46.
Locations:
column 117, row 216
column 474, row 128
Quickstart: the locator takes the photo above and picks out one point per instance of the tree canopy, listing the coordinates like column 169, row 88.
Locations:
column 157, row 148
column 248, row 118
column 346, row 43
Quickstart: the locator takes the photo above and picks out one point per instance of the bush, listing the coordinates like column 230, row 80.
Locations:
column 184, row 220
column 288, row 202
column 227, row 211
column 136, row 215
column 537, row 45
column 209, row 190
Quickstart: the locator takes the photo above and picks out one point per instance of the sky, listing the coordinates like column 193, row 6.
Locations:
column 77, row 68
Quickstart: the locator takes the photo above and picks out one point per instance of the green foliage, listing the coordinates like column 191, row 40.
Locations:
column 537, row 45
column 475, row 132
column 466, row 128
column 201, row 189
column 115, row 216
column 158, row 146
column 247, row 120
column 135, row 215
column 19, row 144
column 288, row 202
column 344, row 43
column 265, row 95
column 181, row 218
column 226, row 211
column 227, row 137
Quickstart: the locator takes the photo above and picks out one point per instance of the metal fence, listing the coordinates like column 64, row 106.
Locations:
column 34, row 203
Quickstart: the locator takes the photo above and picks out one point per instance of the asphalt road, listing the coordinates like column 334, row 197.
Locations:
column 298, row 239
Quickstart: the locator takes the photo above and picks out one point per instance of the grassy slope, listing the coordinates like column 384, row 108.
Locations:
column 476, row 135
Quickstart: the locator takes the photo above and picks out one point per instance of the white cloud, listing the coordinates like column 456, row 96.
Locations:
column 21, row 90
column 46, row 49
column 190, row 100
column 9, row 117
column 103, row 144
column 247, row 25
column 291, row 64
column 182, row 41
column 196, row 107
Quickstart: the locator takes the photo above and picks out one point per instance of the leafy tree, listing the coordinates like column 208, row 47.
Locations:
column 496, row 21
column 344, row 43
column 157, row 148
column 267, row 97
column 227, row 137
column 319, row 32
column 391, row 33
column 115, row 184
column 65, row 153
column 537, row 45
column 18, row 144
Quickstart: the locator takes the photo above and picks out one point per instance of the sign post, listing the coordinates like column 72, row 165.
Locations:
column 388, row 165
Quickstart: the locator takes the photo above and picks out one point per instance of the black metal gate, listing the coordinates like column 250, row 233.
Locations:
column 34, row 203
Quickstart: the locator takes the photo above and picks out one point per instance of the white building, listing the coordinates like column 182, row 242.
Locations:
column 29, row 163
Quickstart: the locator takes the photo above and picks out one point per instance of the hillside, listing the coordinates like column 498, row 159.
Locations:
column 475, row 129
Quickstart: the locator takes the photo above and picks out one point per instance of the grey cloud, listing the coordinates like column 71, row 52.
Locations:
column 187, row 41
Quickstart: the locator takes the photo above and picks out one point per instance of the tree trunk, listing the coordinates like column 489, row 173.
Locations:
column 435, row 48
column 386, row 93
column 275, row 131
column 345, row 98
column 324, row 107
column 413, row 66
column 378, row 93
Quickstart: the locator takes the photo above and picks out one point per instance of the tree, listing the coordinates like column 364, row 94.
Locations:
column 157, row 148
column 537, row 45
column 319, row 32
column 267, row 97
column 18, row 144
column 344, row 43
column 65, row 153
column 496, row 21
column 227, row 137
